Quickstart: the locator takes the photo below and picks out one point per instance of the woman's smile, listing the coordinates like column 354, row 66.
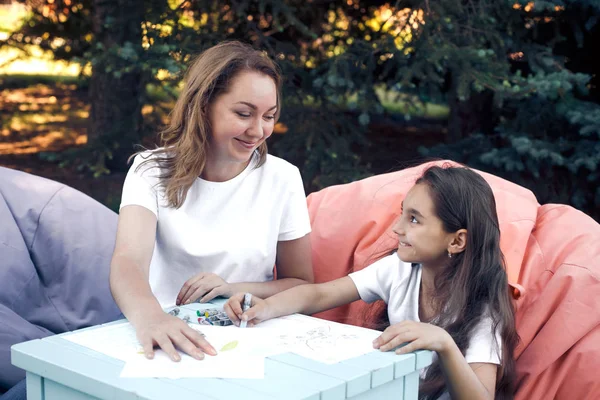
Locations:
column 246, row 144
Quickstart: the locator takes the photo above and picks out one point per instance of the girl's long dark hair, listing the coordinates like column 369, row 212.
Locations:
column 474, row 284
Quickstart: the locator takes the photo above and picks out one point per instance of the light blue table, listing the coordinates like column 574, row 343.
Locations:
column 59, row 369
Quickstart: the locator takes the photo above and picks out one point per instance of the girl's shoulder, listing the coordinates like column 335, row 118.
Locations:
column 392, row 259
column 392, row 265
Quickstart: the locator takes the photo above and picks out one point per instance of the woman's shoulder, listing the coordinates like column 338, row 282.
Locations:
column 148, row 154
column 279, row 165
column 280, row 172
column 147, row 162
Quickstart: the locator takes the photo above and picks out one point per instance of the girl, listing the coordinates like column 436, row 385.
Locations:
column 209, row 212
column 445, row 287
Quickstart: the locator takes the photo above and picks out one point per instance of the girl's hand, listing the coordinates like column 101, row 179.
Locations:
column 415, row 336
column 205, row 286
column 258, row 311
column 169, row 332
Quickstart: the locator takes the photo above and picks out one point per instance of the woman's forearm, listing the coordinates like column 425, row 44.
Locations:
column 131, row 290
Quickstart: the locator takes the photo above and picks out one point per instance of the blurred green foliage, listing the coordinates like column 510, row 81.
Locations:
column 544, row 108
column 518, row 77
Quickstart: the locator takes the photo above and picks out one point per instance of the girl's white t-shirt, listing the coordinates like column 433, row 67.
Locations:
column 228, row 228
column 398, row 283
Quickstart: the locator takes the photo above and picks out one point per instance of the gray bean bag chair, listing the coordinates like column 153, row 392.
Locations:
column 55, row 250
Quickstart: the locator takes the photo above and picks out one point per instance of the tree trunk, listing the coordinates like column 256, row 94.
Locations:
column 116, row 96
column 471, row 115
column 455, row 129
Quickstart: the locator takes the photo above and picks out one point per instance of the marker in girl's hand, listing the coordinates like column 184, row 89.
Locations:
column 245, row 307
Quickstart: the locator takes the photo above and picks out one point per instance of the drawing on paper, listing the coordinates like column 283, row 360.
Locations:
column 230, row 346
column 317, row 339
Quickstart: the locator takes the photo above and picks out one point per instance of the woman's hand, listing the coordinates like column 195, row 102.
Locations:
column 169, row 332
column 258, row 311
column 204, row 286
column 415, row 336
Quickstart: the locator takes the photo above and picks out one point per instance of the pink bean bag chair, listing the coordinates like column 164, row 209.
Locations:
column 552, row 254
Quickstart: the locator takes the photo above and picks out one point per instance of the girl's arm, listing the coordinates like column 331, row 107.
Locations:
column 467, row 381
column 463, row 380
column 305, row 299
column 130, row 287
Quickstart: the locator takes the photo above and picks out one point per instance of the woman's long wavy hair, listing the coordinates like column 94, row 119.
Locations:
column 473, row 284
column 185, row 141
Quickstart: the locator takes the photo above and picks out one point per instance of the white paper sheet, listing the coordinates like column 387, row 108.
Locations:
column 241, row 352
column 320, row 340
column 118, row 341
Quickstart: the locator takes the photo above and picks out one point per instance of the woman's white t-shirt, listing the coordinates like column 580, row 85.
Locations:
column 228, row 228
column 398, row 283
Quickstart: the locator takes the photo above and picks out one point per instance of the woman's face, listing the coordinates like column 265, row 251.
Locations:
column 242, row 118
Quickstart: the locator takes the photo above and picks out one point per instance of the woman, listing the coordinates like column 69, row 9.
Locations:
column 210, row 212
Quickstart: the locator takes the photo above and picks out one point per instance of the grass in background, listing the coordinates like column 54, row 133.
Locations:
column 415, row 108
column 41, row 118
column 409, row 105
column 17, row 81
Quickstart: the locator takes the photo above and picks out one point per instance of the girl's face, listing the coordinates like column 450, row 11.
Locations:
column 242, row 118
column 420, row 232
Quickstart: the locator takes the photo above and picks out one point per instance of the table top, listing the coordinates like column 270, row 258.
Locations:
column 287, row 376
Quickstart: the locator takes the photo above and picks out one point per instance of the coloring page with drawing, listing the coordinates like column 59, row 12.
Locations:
column 318, row 339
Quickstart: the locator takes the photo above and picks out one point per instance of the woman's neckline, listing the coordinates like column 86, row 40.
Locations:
column 249, row 167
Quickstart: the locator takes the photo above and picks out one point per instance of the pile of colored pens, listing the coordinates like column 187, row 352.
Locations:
column 213, row 316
